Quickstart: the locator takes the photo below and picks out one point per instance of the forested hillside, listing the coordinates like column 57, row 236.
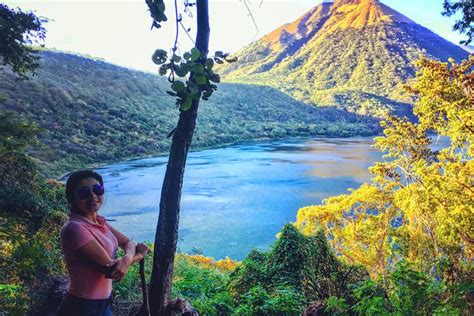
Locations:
column 353, row 54
column 91, row 112
column 400, row 244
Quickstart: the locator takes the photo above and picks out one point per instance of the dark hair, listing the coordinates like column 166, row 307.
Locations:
column 75, row 178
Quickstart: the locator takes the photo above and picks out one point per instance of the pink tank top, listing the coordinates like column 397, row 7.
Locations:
column 85, row 280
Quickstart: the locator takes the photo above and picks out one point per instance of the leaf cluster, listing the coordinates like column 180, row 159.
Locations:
column 19, row 30
column 404, row 291
column 419, row 205
column 157, row 12
column 32, row 211
column 465, row 24
column 193, row 66
column 297, row 270
column 199, row 279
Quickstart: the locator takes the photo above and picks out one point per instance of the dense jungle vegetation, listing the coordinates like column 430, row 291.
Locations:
column 400, row 245
column 90, row 112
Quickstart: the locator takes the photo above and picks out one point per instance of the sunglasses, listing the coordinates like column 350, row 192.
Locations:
column 85, row 192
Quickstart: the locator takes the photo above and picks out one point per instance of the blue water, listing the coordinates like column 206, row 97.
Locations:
column 236, row 198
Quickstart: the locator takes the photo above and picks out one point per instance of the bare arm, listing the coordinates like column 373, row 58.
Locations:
column 131, row 255
column 128, row 246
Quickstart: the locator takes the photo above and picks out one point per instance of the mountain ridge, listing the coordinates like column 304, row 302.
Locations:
column 356, row 50
column 91, row 113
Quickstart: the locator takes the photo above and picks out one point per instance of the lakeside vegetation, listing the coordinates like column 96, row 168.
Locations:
column 401, row 244
column 91, row 112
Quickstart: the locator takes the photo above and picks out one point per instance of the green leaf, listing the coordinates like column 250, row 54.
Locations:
column 187, row 103
column 178, row 86
column 181, row 71
column 200, row 79
column 171, row 93
column 160, row 6
column 231, row 59
column 163, row 69
column 183, row 94
column 159, row 56
column 215, row 78
column 206, row 95
column 157, row 11
column 195, row 54
column 187, row 56
column 193, row 88
column 176, row 58
column 198, row 69
column 209, row 63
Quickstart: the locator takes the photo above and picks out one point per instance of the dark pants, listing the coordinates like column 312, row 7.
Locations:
column 77, row 306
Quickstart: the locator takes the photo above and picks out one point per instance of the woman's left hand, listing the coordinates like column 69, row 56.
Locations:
column 141, row 251
column 121, row 268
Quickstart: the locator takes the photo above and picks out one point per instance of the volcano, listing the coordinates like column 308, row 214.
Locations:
column 353, row 54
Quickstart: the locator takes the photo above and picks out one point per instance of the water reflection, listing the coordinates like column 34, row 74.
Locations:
column 238, row 197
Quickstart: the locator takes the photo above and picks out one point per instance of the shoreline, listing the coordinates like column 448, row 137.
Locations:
column 63, row 177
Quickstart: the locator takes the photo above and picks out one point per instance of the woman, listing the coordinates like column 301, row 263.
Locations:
column 89, row 244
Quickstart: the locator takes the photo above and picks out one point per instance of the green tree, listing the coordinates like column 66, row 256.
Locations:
column 466, row 23
column 30, row 207
column 18, row 31
column 420, row 203
column 286, row 260
column 168, row 221
column 31, row 215
column 296, row 271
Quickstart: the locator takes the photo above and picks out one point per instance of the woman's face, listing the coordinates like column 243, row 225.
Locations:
column 88, row 197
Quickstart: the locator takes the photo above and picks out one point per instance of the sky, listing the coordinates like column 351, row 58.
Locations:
column 119, row 30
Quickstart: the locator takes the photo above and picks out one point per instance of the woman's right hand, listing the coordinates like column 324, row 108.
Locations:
column 120, row 266
column 108, row 269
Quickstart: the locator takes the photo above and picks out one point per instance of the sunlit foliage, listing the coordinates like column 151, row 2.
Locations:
column 420, row 204
column 32, row 211
column 201, row 280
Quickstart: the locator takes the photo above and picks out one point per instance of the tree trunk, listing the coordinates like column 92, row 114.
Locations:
column 167, row 229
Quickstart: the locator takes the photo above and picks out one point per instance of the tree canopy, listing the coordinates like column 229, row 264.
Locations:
column 420, row 204
column 466, row 21
column 18, row 31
